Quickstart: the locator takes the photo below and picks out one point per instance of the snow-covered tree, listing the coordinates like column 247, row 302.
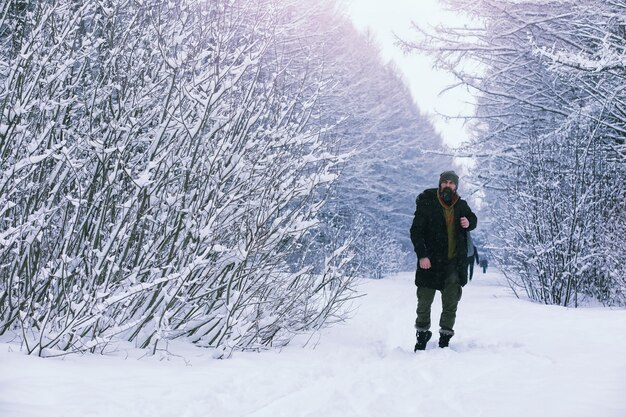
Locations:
column 549, row 138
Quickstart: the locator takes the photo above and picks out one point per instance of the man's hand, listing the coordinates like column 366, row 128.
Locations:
column 424, row 263
column 464, row 222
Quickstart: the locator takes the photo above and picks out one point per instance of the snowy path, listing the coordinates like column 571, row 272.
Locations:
column 510, row 358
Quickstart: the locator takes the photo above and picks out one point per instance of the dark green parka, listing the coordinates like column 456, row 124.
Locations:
column 430, row 239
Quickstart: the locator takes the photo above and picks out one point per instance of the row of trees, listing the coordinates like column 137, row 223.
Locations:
column 169, row 170
column 550, row 133
column 389, row 143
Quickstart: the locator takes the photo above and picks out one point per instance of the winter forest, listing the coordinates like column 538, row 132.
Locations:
column 222, row 171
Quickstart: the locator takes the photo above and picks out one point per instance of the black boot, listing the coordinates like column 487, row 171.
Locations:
column 444, row 340
column 423, row 336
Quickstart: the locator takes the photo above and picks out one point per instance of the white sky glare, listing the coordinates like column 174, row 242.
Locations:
column 384, row 18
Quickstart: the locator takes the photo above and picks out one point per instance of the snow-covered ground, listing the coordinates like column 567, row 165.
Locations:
column 510, row 358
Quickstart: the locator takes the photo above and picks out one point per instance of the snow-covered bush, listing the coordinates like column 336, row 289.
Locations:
column 160, row 164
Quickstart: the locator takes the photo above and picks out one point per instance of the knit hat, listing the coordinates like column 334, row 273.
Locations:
column 449, row 176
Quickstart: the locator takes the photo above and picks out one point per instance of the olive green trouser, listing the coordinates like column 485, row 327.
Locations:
column 450, row 296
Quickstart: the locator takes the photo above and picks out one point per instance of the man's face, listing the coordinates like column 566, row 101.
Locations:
column 447, row 184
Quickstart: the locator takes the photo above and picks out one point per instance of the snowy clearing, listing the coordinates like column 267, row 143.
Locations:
column 509, row 358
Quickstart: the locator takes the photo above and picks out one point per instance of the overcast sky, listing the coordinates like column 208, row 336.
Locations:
column 384, row 17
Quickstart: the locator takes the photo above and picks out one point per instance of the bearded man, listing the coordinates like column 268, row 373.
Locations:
column 439, row 235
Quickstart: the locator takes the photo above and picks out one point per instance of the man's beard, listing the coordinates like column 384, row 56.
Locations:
column 446, row 195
